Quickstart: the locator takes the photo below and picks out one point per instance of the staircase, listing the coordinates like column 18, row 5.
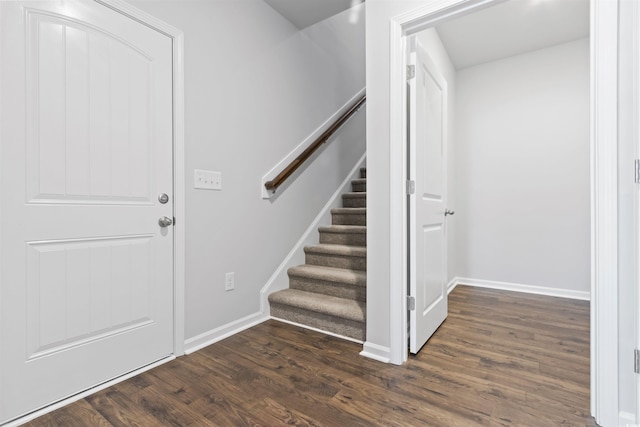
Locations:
column 329, row 291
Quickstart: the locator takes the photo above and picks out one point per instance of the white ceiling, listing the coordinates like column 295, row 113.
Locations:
column 512, row 28
column 304, row 13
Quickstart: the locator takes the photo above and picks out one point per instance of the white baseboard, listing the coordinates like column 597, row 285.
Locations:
column 376, row 352
column 57, row 405
column 627, row 419
column 311, row 328
column 279, row 279
column 200, row 341
column 519, row 287
column 304, row 144
column 452, row 285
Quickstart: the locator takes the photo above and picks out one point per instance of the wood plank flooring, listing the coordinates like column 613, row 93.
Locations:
column 500, row 359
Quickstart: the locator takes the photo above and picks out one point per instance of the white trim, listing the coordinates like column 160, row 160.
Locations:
column 452, row 285
column 179, row 191
column 279, row 279
column 604, row 212
column 626, row 419
column 636, row 196
column 213, row 336
column 47, row 409
column 322, row 331
column 376, row 352
column 179, row 196
column 398, row 349
column 521, row 287
column 304, row 144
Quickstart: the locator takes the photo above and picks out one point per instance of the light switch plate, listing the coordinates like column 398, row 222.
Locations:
column 207, row 180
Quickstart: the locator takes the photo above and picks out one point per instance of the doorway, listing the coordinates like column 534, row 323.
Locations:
column 603, row 65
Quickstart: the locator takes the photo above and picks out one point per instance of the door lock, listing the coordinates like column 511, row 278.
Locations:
column 165, row 221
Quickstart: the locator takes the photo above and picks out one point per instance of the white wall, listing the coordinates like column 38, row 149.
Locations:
column 523, row 169
column 626, row 225
column 255, row 87
column 438, row 54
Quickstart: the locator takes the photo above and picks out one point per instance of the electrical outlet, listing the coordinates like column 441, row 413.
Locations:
column 229, row 281
column 207, row 180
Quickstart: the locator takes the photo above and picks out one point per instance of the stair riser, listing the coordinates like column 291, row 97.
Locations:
column 363, row 173
column 340, row 290
column 359, row 187
column 354, row 202
column 347, row 328
column 348, row 219
column 351, row 239
column 337, row 261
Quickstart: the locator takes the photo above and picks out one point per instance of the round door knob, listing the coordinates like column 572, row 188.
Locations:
column 449, row 212
column 165, row 221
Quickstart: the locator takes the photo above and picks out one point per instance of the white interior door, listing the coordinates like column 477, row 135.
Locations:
column 427, row 224
column 86, row 281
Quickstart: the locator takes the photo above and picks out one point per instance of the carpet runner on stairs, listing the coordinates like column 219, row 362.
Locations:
column 329, row 291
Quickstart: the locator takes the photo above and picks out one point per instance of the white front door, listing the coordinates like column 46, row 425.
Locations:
column 427, row 229
column 86, row 271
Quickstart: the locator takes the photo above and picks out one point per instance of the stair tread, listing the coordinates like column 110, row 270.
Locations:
column 355, row 195
column 330, row 274
column 335, row 249
column 337, row 228
column 319, row 303
column 359, row 180
column 357, row 211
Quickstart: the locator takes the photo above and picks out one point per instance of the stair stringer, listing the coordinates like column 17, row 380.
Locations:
column 279, row 280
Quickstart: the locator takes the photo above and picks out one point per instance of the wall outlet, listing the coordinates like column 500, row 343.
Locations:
column 229, row 281
column 207, row 180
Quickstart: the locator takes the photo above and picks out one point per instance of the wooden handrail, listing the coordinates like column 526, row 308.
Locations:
column 298, row 161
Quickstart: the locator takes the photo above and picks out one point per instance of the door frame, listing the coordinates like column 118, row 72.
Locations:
column 603, row 182
column 177, row 39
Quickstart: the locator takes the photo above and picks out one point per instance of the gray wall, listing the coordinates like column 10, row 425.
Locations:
column 256, row 87
column 522, row 169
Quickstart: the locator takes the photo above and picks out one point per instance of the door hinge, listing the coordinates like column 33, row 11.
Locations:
column 411, row 71
column 411, row 303
column 411, row 187
column 636, row 361
column 636, row 171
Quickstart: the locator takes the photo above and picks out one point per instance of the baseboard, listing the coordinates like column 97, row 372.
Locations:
column 627, row 419
column 376, row 352
column 311, row 328
column 524, row 288
column 452, row 285
column 304, row 144
column 50, row 408
column 279, row 279
column 201, row 341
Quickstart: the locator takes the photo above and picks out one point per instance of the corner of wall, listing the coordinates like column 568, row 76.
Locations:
column 210, row 337
column 376, row 352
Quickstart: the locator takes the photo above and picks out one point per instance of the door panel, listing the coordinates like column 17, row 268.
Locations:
column 86, row 280
column 427, row 227
column 90, row 104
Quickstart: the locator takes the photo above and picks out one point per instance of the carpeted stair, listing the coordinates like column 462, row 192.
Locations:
column 329, row 291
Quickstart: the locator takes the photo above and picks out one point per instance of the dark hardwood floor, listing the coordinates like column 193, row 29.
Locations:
column 500, row 359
